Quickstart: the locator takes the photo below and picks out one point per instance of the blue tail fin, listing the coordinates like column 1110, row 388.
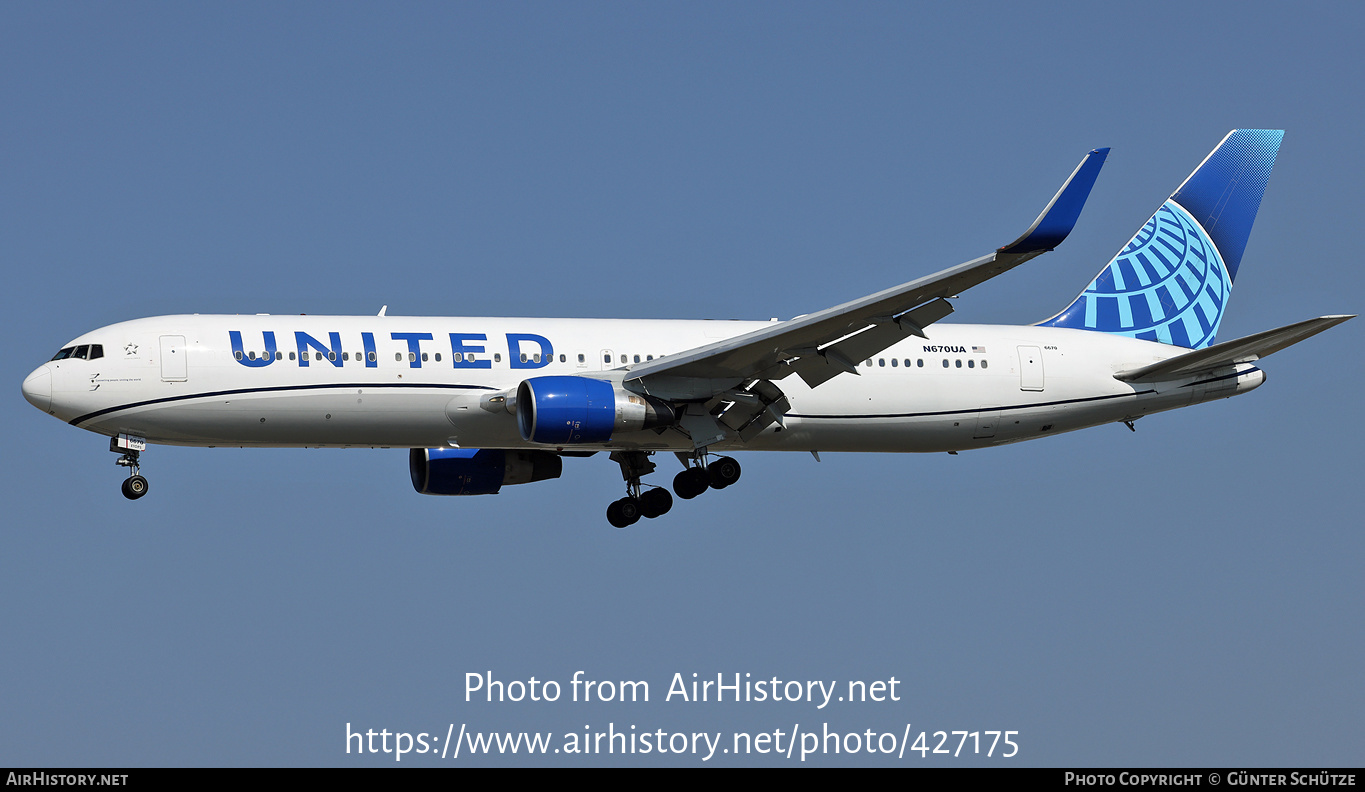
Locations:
column 1171, row 282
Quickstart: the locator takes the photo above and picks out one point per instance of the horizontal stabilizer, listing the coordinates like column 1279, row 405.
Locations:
column 1240, row 350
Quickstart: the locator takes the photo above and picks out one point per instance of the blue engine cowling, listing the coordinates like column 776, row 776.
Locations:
column 478, row 471
column 577, row 410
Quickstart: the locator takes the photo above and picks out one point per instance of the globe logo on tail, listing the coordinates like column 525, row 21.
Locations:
column 1168, row 284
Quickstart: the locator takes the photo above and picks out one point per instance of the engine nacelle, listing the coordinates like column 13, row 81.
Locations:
column 478, row 471
column 575, row 410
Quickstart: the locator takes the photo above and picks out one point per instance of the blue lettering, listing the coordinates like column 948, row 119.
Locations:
column 371, row 359
column 235, row 336
column 414, row 346
column 306, row 342
column 522, row 360
column 462, row 356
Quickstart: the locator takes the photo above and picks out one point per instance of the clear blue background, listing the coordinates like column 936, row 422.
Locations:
column 1189, row 594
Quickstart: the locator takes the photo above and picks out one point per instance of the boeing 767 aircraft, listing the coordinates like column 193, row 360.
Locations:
column 487, row 402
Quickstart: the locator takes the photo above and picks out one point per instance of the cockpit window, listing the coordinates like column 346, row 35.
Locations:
column 82, row 352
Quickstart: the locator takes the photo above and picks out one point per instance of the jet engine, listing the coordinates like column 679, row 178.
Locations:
column 574, row 410
column 478, row 471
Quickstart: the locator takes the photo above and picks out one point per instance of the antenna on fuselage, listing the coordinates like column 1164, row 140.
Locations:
column 382, row 310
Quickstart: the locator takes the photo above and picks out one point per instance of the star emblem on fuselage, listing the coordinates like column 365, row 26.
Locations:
column 130, row 349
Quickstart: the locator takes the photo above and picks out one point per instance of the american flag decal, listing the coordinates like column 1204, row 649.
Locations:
column 978, row 350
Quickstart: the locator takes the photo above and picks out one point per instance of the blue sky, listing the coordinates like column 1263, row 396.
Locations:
column 1186, row 594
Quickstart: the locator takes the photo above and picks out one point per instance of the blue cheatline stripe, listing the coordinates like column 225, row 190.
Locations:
column 281, row 388
column 976, row 410
column 1220, row 379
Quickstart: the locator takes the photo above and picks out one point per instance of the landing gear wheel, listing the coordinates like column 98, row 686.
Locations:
column 134, row 487
column 623, row 513
column 724, row 472
column 691, row 482
column 655, row 503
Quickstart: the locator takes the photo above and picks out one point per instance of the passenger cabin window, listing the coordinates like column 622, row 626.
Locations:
column 983, row 364
column 497, row 357
column 582, row 358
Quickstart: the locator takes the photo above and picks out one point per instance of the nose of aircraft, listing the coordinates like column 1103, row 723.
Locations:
column 38, row 388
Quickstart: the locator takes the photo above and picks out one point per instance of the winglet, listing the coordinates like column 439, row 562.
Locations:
column 1057, row 220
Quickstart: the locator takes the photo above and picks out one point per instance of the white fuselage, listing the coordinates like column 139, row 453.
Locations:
column 389, row 381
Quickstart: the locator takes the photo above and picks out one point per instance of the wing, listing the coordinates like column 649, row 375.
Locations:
column 734, row 376
column 1239, row 350
column 817, row 346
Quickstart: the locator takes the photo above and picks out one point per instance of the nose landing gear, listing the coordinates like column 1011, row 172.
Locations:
column 135, row 486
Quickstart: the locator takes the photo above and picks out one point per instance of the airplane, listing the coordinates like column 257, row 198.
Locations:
column 483, row 403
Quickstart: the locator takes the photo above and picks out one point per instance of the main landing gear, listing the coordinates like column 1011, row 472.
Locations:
column 639, row 502
column 699, row 477
column 135, row 486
